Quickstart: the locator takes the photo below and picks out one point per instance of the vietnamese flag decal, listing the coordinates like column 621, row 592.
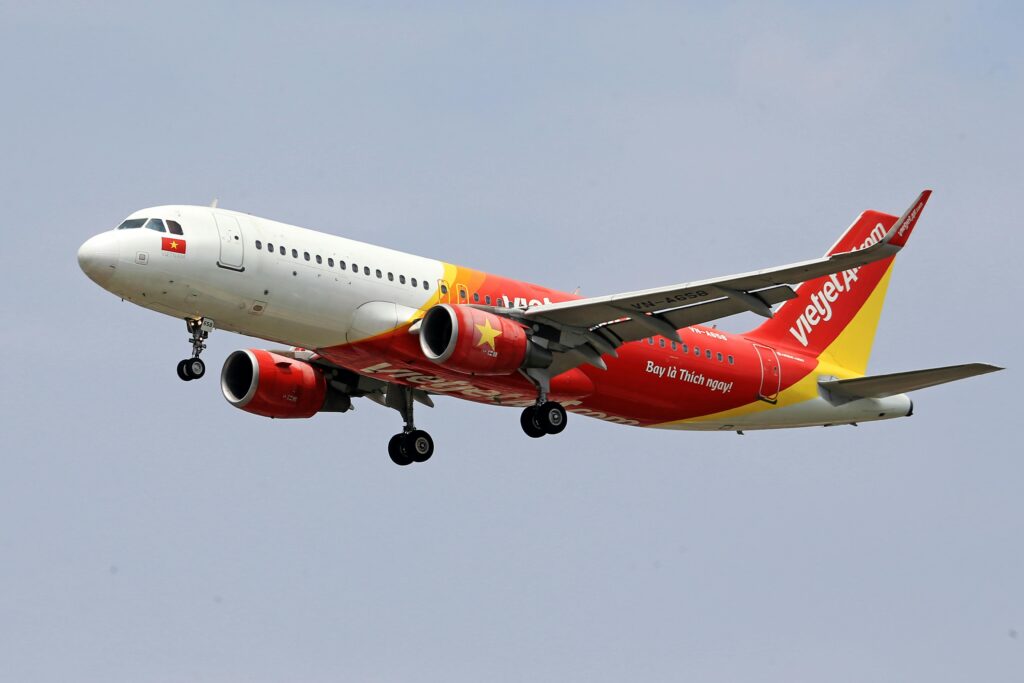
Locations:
column 175, row 244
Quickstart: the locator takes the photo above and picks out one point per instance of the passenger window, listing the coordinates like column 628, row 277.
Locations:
column 282, row 251
column 270, row 247
column 380, row 275
column 330, row 263
column 685, row 348
column 731, row 360
column 650, row 340
column 305, row 255
column 174, row 228
column 412, row 282
column 295, row 253
column 487, row 299
column 462, row 293
column 661, row 342
column 476, row 297
column 391, row 277
column 259, row 245
column 156, row 224
column 444, row 288
column 426, row 285
column 696, row 350
column 341, row 264
column 673, row 346
column 318, row 259
column 366, row 270
column 719, row 357
column 707, row 353
column 401, row 279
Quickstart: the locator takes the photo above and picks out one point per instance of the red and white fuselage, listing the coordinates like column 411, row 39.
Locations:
column 388, row 317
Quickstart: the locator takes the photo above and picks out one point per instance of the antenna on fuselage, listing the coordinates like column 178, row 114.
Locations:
column 213, row 204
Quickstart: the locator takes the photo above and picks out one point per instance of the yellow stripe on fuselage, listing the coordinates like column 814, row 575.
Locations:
column 852, row 347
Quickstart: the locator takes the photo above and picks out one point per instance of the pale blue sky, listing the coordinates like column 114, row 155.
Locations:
column 149, row 531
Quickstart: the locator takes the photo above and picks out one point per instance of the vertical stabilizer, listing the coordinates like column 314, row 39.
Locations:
column 837, row 315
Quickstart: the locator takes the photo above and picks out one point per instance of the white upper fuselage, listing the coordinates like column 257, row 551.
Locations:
column 289, row 298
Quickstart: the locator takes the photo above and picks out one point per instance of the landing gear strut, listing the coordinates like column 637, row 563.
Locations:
column 194, row 367
column 411, row 444
column 543, row 417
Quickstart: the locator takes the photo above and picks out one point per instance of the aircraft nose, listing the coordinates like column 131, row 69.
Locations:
column 97, row 257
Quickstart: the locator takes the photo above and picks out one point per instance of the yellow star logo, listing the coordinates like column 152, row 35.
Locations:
column 174, row 245
column 487, row 334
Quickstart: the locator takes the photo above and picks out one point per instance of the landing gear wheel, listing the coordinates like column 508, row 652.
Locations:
column 195, row 368
column 182, row 372
column 550, row 416
column 397, row 452
column 418, row 445
column 191, row 368
column 528, row 421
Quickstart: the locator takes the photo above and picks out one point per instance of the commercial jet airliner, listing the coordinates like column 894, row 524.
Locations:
column 366, row 321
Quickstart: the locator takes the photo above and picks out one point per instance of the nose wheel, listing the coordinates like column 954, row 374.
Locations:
column 191, row 368
column 548, row 417
column 199, row 331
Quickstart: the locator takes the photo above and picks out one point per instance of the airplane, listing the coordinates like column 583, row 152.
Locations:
column 363, row 321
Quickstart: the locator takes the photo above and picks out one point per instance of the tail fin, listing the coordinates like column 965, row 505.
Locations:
column 837, row 314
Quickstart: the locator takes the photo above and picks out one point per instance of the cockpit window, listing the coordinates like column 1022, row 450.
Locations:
column 131, row 223
column 174, row 227
column 156, row 224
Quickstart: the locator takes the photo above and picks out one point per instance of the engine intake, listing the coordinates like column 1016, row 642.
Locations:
column 270, row 385
column 475, row 342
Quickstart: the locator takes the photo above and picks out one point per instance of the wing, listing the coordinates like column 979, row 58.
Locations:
column 598, row 325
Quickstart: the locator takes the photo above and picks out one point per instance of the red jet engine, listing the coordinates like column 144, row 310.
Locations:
column 270, row 385
column 475, row 342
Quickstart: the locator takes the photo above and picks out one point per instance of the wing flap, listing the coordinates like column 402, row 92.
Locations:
column 839, row 391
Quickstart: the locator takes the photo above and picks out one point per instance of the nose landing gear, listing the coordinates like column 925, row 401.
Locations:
column 199, row 330
column 191, row 368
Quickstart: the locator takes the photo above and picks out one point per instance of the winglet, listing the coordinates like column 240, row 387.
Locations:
column 900, row 232
column 893, row 240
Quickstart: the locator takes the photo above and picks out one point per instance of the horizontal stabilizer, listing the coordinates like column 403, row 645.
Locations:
column 840, row 391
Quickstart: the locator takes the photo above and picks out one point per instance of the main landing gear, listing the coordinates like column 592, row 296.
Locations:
column 547, row 417
column 544, row 416
column 194, row 368
column 411, row 444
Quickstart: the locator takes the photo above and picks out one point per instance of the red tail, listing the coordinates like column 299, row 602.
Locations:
column 839, row 313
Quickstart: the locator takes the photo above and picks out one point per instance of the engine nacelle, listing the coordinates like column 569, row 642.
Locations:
column 475, row 342
column 270, row 385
